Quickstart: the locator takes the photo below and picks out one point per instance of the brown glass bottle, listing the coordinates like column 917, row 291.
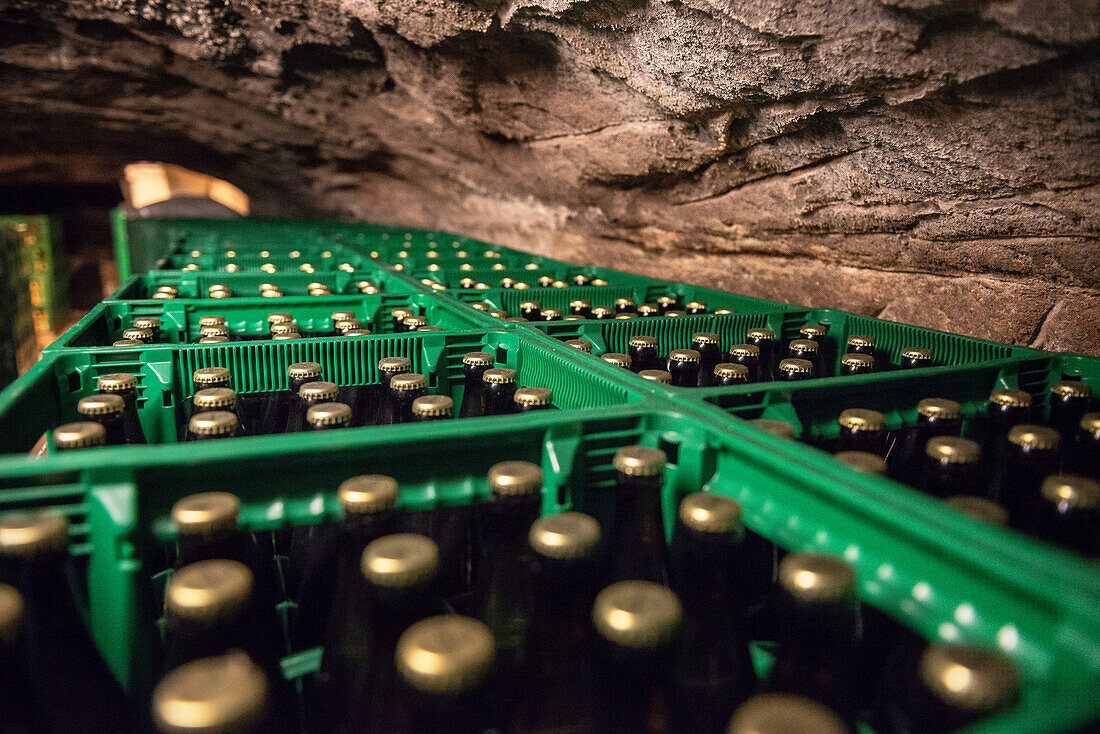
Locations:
column 432, row 408
column 785, row 713
column 1067, row 512
column 378, row 410
column 474, row 365
column 531, row 399
column 228, row 694
column 636, row 538
column 80, row 435
column 500, row 388
column 683, row 365
column 643, row 353
column 327, row 417
column 1069, row 401
column 108, row 410
column 952, row 466
column 862, row 430
column 807, row 350
column 856, row 364
column 794, row 370
column 935, row 417
column 1032, row 454
column 730, row 374
column 1086, row 448
column 749, row 356
column 916, row 357
column 710, row 354
column 764, row 341
column 124, row 384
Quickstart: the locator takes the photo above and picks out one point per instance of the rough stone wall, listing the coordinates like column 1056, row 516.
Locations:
column 931, row 161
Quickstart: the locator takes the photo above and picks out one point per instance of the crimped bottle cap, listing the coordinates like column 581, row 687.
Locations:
column 528, row 396
column 358, row 332
column 774, row 427
column 642, row 341
column 146, row 322
column 939, row 408
column 1090, row 424
column 862, row 419
column 649, row 309
column 275, row 337
column 12, row 610
column 599, row 282
column 400, row 561
column 206, row 512
column 408, row 381
column 765, row 334
column 705, row 337
column 785, row 713
column 319, row 390
column 865, row 461
column 215, row 695
column 446, row 655
column 210, row 591
column 696, row 306
column 213, row 423
column 137, row 334
column 163, row 296
column 215, row 330
column 1071, row 491
column 478, row 359
column 952, row 450
column 499, row 376
column 367, row 494
column 413, row 322
column 401, row 313
column 169, row 289
column 916, row 353
column 394, row 365
column 665, row 301
column 617, row 358
column 731, row 371
column 804, row 345
column 745, row 350
column 126, row 343
column 582, row 344
column 79, row 435
column 684, row 355
column 433, row 406
column 663, row 376
column 724, row 311
column 116, row 382
column 342, row 315
column 710, row 513
column 580, row 303
column 212, row 398
column 106, row 404
column 602, row 311
column 467, row 283
column 637, row 614
column 858, row 340
column 621, row 302
column 531, row 306
column 328, row 414
column 551, row 314
column 1071, row 389
column 969, row 678
column 1034, row 438
column 277, row 317
column 1010, row 398
column 285, row 327
column 515, row 478
column 675, row 313
column 811, row 331
column 505, row 282
column 796, row 366
column 854, row 359
column 980, row 508
column 626, row 315
column 639, row 461
column 568, row 536
column 31, row 534
column 813, row 577
column 304, row 371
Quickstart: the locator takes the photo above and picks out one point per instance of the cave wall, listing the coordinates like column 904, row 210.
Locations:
column 930, row 161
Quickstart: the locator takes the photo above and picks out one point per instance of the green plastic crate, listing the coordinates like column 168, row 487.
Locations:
column 247, row 285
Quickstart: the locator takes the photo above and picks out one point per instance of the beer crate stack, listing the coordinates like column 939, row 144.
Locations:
column 903, row 521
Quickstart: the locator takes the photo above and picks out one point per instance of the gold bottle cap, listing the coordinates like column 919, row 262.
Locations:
column 504, row 282
column 639, row 461
column 862, row 419
column 865, row 461
column 1090, row 424
column 367, row 494
column 710, row 513
column 796, row 366
column 731, row 371
column 402, row 313
column 695, row 306
column 551, row 314
column 206, row 513
column 278, row 317
column 106, row 404
column 215, row 695
column 858, row 340
column 212, row 398
column 152, row 323
column 582, row 344
column 1010, row 398
column 467, row 282
column 916, row 353
column 785, row 713
column 515, row 478
column 270, row 294
column 394, row 365
column 477, row 359
column 774, row 427
column 761, row 334
column 598, row 282
column 626, row 315
column 665, row 301
column 400, row 561
column 969, row 678
column 481, row 306
column 724, row 311
column 358, row 332
column 602, row 311
column 804, row 345
column 813, row 577
column 705, row 337
column 545, row 281
column 952, row 450
column 637, row 614
column 580, row 303
column 1071, row 491
column 642, row 341
column 213, row 423
column 319, row 390
column 316, row 286
column 433, row 406
column 1034, row 438
column 941, row 408
column 745, row 350
column 811, row 331
column 126, row 343
column 370, row 290
column 662, row 376
column 617, row 358
column 141, row 335
column 673, row 313
column 30, row 534
column 684, row 355
column 79, row 435
column 499, row 376
column 980, row 508
column 568, row 536
column 216, row 330
column 274, row 337
column 531, row 306
column 212, row 591
column 116, row 382
column 446, row 655
column 529, row 396
column 620, row 302
column 342, row 315
column 11, row 616
column 217, row 287
column 211, row 376
column 329, row 414
column 163, row 296
column 854, row 359
column 286, row 327
column 573, row 318
column 408, row 381
column 168, row 289
column 303, row 371
column 1071, row 389
column 649, row 309
column 412, row 323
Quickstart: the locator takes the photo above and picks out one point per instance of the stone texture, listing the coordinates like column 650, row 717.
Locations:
column 931, row 161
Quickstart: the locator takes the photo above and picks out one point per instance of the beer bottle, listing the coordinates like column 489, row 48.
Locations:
column 695, row 308
column 618, row 359
column 785, row 713
column 637, row 625
column 580, row 279
column 206, row 332
column 108, row 410
column 280, row 405
column 413, row 323
column 529, row 399
column 284, row 330
column 856, row 364
column 862, row 430
column 551, row 314
column 152, row 323
column 603, row 313
column 952, row 466
column 806, row 350
column 397, row 319
column 859, row 344
column 124, row 384
column 530, row 310
column 1032, row 455
column 730, row 374
column 624, row 305
column 950, row 687
column 774, row 427
column 144, row 336
column 710, row 354
column 662, row 377
column 793, row 370
column 17, row 701
column 665, row 304
column 648, row 310
column 557, row 669
column 643, row 353
column 980, row 508
column 1068, row 513
column 365, row 332
column 404, row 389
column 712, row 669
column 276, row 317
column 227, row 694
column 581, row 307
column 343, row 314
column 1087, row 446
column 474, row 365
column 310, row 394
column 863, row 461
column 935, row 417
column 820, row 613
column 683, row 365
column 445, row 665
column 545, row 281
column 209, row 321
column 1069, row 401
column 214, row 398
column 327, row 416
column 582, row 344
column 1007, row 408
column 125, row 343
column 379, row 410
column 73, row 686
column 500, row 388
column 212, row 424
column 749, row 356
column 432, row 408
column 80, row 435
column 224, row 339
column 637, row 533
column 764, row 341
column 916, row 357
